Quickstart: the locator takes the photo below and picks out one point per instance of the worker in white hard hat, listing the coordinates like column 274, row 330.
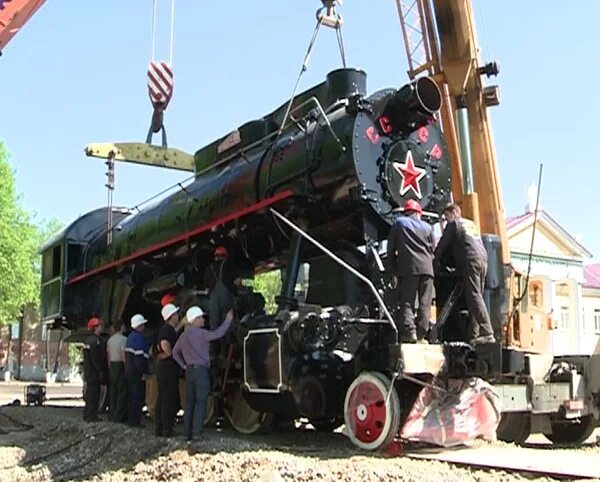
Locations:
column 167, row 373
column 136, row 366
column 192, row 353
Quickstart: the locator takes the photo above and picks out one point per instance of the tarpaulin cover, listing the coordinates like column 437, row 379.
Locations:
column 469, row 410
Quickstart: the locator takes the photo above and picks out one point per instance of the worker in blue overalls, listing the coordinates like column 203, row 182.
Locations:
column 136, row 367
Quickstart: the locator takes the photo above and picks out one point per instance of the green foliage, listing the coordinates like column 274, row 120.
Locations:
column 20, row 240
column 269, row 285
column 75, row 354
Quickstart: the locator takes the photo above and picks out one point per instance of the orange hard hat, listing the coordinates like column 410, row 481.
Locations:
column 412, row 206
column 221, row 251
column 93, row 323
column 166, row 299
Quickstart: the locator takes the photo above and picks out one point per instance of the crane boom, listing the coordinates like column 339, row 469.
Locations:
column 460, row 62
column 13, row 15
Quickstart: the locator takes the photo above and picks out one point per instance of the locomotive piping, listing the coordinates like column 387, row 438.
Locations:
column 324, row 115
column 343, row 264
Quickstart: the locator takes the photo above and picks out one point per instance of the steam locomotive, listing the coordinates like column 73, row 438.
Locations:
column 311, row 188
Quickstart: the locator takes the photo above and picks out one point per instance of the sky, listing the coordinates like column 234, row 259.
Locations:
column 76, row 74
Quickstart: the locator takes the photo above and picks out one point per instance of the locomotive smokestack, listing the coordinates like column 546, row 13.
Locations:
column 413, row 105
column 345, row 83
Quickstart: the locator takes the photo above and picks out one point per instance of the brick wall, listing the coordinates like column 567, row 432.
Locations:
column 35, row 347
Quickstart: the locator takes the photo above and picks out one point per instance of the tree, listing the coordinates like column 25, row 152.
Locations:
column 20, row 240
column 269, row 285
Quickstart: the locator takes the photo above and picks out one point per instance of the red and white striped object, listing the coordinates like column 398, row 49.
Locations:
column 160, row 83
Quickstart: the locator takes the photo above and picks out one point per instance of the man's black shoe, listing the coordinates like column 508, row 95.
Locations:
column 409, row 338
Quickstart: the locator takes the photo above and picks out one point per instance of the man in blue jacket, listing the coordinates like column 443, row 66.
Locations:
column 410, row 254
column 136, row 366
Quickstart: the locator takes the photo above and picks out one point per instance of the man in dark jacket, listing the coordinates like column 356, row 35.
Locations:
column 461, row 242
column 93, row 363
column 136, row 366
column 221, row 282
column 410, row 254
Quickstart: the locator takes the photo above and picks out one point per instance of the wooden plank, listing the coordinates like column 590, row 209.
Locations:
column 421, row 358
column 569, row 463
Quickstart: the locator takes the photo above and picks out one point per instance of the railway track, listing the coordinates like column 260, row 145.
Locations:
column 57, row 444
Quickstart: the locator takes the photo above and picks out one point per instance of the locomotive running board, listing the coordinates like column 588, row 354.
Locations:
column 141, row 153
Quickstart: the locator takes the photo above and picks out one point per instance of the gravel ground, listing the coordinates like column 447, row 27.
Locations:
column 62, row 447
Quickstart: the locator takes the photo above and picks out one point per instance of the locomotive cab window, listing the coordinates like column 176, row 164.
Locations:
column 51, row 263
column 74, row 257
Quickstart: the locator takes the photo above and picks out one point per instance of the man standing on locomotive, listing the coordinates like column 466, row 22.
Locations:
column 93, row 374
column 221, row 282
column 167, row 373
column 410, row 254
column 192, row 353
column 136, row 367
column 461, row 241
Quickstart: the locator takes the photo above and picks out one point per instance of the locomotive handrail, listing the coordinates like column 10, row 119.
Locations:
column 322, row 112
column 342, row 263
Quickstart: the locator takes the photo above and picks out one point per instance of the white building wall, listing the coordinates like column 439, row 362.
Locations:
column 558, row 262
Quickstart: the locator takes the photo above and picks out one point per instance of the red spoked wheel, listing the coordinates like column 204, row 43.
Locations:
column 371, row 416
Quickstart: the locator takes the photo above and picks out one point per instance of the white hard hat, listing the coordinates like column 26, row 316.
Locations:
column 138, row 320
column 168, row 310
column 193, row 312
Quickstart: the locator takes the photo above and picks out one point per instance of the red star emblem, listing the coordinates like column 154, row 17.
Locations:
column 411, row 175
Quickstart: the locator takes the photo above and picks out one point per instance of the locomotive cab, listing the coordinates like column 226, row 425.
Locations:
column 63, row 258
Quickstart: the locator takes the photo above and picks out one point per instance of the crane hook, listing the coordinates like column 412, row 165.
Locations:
column 160, row 81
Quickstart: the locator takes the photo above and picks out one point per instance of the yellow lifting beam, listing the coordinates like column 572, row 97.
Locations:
column 142, row 153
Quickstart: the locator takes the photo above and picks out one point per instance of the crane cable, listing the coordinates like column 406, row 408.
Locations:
column 160, row 79
column 326, row 15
